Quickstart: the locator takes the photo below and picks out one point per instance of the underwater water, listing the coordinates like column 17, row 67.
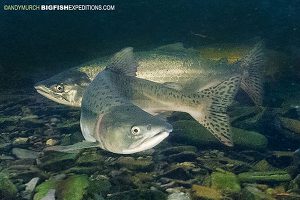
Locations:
column 257, row 39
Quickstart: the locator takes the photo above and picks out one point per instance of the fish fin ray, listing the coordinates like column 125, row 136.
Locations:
column 252, row 79
column 123, row 62
column 214, row 117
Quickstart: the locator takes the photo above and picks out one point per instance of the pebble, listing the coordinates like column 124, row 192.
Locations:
column 51, row 142
column 179, row 196
column 30, row 186
column 20, row 141
column 25, row 153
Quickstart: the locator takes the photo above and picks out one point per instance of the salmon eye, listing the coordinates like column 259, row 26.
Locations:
column 135, row 130
column 59, row 88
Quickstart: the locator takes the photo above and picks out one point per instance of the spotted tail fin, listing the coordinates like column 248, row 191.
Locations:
column 252, row 79
column 214, row 116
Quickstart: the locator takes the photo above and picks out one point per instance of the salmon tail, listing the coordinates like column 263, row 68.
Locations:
column 252, row 79
column 214, row 116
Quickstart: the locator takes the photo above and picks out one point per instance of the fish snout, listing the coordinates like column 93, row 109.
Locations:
column 168, row 128
column 39, row 86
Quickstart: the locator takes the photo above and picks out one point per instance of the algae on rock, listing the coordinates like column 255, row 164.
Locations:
column 267, row 176
column 140, row 164
column 192, row 133
column 43, row 188
column 56, row 161
column 99, row 184
column 203, row 192
column 138, row 194
column 72, row 188
column 252, row 193
column 226, row 182
column 7, row 189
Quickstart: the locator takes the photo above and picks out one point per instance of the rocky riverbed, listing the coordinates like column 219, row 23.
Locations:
column 190, row 164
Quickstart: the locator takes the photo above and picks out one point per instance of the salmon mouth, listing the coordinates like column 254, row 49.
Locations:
column 46, row 92
column 148, row 143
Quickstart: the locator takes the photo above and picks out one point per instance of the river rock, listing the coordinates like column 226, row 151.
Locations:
column 253, row 193
column 192, row 133
column 291, row 124
column 84, row 170
column 4, row 147
column 179, row 196
column 142, row 164
column 20, row 141
column 178, row 149
column 50, row 195
column 226, row 182
column 51, row 142
column 99, row 184
column 247, row 117
column 5, row 120
column 90, row 157
column 267, row 176
column 72, row 188
column 138, row 194
column 263, row 165
column 55, row 161
column 30, row 187
column 185, row 156
column 177, row 172
column 43, row 189
column 206, row 193
column 25, row 153
column 142, row 179
column 8, row 190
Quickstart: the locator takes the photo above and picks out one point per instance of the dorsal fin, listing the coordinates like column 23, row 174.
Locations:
column 123, row 62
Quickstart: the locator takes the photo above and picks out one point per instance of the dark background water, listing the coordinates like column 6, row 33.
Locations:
column 35, row 44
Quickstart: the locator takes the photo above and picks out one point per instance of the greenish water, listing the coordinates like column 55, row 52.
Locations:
column 190, row 163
